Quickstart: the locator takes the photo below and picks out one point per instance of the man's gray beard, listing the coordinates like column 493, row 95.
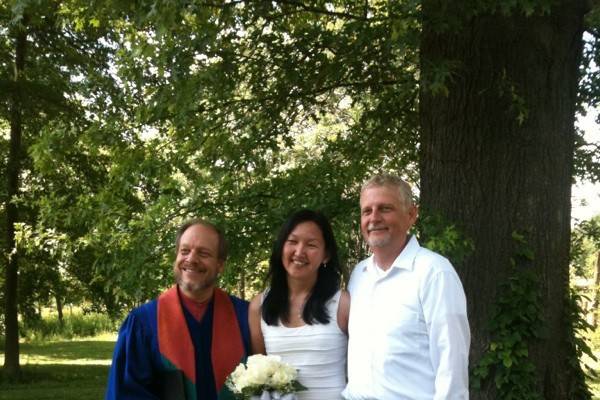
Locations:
column 194, row 287
column 379, row 242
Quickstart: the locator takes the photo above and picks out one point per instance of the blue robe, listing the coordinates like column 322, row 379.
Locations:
column 138, row 369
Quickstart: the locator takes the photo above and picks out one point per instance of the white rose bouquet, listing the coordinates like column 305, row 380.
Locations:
column 265, row 378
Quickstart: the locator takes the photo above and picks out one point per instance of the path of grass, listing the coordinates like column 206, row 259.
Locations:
column 62, row 370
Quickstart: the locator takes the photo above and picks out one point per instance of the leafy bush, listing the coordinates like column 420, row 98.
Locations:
column 73, row 325
column 594, row 338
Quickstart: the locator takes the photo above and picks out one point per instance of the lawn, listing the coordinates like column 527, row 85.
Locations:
column 62, row 370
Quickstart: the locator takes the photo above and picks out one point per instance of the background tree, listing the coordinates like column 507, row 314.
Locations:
column 47, row 67
column 13, row 172
column 585, row 254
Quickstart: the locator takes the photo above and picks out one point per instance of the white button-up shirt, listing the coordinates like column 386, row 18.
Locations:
column 408, row 330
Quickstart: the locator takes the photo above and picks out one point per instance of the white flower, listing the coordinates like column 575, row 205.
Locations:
column 238, row 378
column 283, row 376
column 263, row 374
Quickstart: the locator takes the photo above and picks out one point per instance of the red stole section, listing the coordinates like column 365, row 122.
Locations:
column 227, row 347
column 175, row 343
column 196, row 309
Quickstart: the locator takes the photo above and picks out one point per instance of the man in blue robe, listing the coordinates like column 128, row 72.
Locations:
column 184, row 344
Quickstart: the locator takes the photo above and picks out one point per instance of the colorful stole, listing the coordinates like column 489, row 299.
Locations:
column 176, row 346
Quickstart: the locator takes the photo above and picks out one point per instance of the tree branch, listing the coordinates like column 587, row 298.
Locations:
column 322, row 11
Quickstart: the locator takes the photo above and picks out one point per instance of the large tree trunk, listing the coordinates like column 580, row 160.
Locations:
column 497, row 157
column 11, row 353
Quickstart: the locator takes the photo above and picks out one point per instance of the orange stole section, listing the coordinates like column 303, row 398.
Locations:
column 175, row 343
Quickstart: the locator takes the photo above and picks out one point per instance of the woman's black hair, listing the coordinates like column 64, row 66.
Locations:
column 276, row 304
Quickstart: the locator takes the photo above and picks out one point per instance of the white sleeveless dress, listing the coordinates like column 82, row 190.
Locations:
column 317, row 351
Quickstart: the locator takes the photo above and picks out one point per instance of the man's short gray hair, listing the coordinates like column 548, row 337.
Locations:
column 394, row 182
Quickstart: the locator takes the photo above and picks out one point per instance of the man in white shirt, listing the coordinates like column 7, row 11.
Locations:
column 408, row 331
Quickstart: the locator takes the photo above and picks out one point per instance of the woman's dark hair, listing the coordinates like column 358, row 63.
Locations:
column 276, row 303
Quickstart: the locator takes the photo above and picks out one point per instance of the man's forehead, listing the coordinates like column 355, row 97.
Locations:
column 379, row 195
column 197, row 242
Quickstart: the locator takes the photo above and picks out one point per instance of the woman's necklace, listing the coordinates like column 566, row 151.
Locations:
column 297, row 306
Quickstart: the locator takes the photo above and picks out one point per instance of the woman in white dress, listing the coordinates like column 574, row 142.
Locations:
column 303, row 315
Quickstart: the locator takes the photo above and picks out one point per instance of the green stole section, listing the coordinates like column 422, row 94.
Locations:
column 178, row 382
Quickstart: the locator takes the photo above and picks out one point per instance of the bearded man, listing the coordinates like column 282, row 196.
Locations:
column 184, row 344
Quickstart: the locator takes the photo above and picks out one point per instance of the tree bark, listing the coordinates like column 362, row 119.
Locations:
column 11, row 354
column 596, row 293
column 242, row 285
column 59, row 309
column 497, row 156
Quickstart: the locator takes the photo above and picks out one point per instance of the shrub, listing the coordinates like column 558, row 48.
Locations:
column 73, row 325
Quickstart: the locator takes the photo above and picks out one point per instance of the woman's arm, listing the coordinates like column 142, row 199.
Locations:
column 344, row 311
column 257, row 342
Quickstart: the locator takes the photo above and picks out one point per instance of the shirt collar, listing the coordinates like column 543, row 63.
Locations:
column 405, row 259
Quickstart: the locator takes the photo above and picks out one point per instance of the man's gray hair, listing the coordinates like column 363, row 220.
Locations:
column 394, row 182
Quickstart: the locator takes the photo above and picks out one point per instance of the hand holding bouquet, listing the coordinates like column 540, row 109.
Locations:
column 265, row 378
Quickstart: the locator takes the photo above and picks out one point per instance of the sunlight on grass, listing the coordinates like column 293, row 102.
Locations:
column 88, row 351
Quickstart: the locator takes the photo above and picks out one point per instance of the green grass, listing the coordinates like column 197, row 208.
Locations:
column 62, row 370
